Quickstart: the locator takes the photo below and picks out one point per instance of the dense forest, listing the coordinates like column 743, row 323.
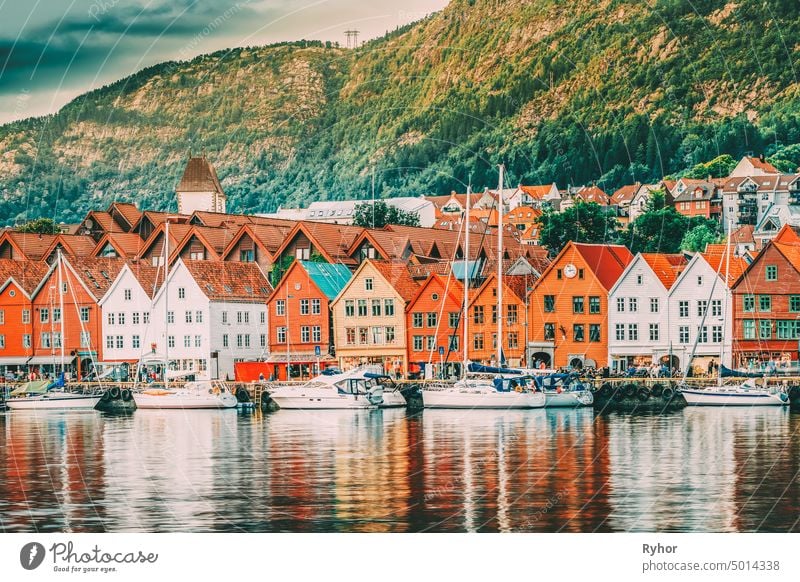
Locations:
column 606, row 91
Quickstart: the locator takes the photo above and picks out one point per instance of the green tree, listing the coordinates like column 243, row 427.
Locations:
column 40, row 226
column 383, row 214
column 719, row 167
column 656, row 231
column 697, row 238
column 583, row 222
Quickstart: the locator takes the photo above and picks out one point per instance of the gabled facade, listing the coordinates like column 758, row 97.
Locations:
column 300, row 331
column 638, row 311
column 369, row 321
column 199, row 188
column 18, row 279
column 568, row 306
column 25, row 246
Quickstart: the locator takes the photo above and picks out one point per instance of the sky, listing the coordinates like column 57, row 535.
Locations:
column 54, row 50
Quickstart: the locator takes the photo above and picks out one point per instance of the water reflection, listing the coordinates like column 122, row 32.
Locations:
column 384, row 471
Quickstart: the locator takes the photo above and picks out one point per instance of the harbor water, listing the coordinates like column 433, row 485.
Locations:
column 715, row 470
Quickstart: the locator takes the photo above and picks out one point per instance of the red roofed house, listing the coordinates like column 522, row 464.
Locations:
column 369, row 317
column 18, row 279
column 698, row 198
column 568, row 306
column 199, row 188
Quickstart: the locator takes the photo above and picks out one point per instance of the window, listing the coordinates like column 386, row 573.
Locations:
column 187, row 341
column 765, row 303
column 764, row 329
column 794, row 303
column 181, row 293
column 224, row 317
column 558, row 274
column 136, row 342
column 549, row 304
column 639, row 279
column 654, row 332
column 772, row 272
column 120, row 342
column 239, row 317
column 577, row 332
column 197, row 341
column 44, row 315
column 198, row 316
column 477, row 341
column 145, row 317
column 716, row 307
column 350, row 336
column 432, row 318
column 633, row 304
column 239, row 340
column 368, row 284
column 302, row 253
column 26, row 340
column 619, row 332
column 86, row 339
column 26, row 315
column 388, row 307
column 620, row 304
column 171, row 341
column 594, row 332
column 452, row 319
column 170, row 317
column 749, row 302
column 700, row 281
column 749, row 329
column 511, row 314
column 363, row 335
column 246, row 256
column 683, row 308
column 494, row 313
column 57, row 316
column 135, row 318
column 577, row 305
column 247, row 340
column 376, row 308
column 188, row 317
column 703, row 335
column 549, row 331
column 349, row 308
column 109, row 342
column 362, row 307
column 477, row 314
column 315, row 307
column 127, row 294
column 305, row 334
column 416, row 320
column 2, row 342
column 513, row 340
column 716, row 333
column 654, row 305
column 683, row 334
column 390, row 336
column 417, row 343
column 304, row 307
column 2, row 317
column 594, row 305
column 281, row 335
column 111, row 318
column 316, row 334
column 280, row 307
column 431, row 342
column 702, row 307
column 580, row 273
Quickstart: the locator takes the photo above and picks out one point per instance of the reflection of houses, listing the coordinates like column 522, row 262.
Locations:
column 301, row 327
column 638, row 311
column 18, row 280
column 568, row 313
column 767, row 304
column 369, row 320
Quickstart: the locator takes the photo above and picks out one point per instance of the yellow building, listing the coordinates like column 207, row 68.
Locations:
column 369, row 323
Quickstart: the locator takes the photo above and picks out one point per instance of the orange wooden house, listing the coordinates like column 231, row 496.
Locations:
column 18, row 279
column 568, row 306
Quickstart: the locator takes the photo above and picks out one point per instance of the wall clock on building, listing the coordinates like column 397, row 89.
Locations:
column 570, row 271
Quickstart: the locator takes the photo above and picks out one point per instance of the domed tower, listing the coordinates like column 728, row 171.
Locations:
column 199, row 188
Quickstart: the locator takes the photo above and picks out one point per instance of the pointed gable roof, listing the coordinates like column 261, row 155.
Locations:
column 453, row 287
column 24, row 274
column 329, row 278
column 716, row 257
column 96, row 275
column 30, row 245
column 230, row 281
column 75, row 245
column 667, row 267
column 397, row 275
column 149, row 278
column 127, row 244
column 126, row 211
column 607, row 262
column 199, row 176
column 625, row 194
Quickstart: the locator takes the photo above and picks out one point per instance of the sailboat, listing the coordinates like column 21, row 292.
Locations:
column 203, row 394
column 746, row 393
column 40, row 395
column 487, row 387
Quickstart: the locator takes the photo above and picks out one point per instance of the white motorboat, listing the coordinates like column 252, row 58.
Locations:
column 478, row 391
column 353, row 389
column 564, row 391
column 204, row 394
column 55, row 400
column 744, row 394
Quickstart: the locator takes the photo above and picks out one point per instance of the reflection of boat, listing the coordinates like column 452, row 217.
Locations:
column 564, row 391
column 354, row 389
column 744, row 394
column 205, row 394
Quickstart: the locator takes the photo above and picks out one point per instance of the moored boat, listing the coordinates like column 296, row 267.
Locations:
column 745, row 394
column 204, row 394
column 354, row 389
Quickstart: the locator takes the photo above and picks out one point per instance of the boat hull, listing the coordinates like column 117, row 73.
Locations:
column 393, row 399
column 568, row 399
column 54, row 402
column 466, row 399
column 183, row 402
column 726, row 398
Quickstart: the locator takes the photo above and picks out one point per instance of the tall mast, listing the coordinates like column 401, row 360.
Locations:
column 725, row 290
column 467, row 276
column 500, row 268
column 166, row 303
column 61, row 306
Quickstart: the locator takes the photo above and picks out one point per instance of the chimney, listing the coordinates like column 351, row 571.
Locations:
column 761, row 157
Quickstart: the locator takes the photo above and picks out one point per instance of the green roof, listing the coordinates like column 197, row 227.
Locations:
column 330, row 279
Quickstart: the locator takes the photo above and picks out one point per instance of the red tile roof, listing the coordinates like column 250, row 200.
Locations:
column 97, row 274
column 537, row 192
column 127, row 244
column 592, row 194
column 397, row 275
column 667, row 267
column 149, row 277
column 27, row 274
column 607, row 262
column 129, row 212
column 199, row 176
column 716, row 256
column 625, row 194
column 763, row 165
column 743, row 235
column 230, row 281
column 32, row 245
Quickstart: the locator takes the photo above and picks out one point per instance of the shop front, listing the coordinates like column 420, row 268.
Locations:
column 300, row 366
column 392, row 365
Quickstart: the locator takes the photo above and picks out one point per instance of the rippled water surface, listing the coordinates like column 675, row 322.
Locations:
column 393, row 471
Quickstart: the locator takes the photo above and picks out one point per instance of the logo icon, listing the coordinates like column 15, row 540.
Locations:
column 32, row 555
